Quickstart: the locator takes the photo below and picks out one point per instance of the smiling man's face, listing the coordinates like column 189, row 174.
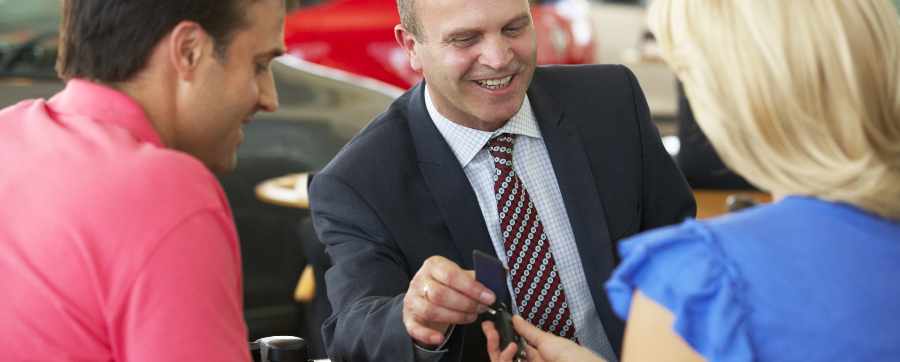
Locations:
column 477, row 56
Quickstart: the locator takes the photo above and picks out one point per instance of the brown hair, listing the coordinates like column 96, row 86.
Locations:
column 110, row 41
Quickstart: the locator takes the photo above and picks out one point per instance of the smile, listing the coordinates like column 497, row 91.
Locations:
column 495, row 84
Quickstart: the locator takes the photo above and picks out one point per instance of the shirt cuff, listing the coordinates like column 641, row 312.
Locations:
column 432, row 355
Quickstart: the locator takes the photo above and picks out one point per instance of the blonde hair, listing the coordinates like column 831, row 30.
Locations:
column 798, row 96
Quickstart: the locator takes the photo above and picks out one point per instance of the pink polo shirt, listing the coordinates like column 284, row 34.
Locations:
column 112, row 247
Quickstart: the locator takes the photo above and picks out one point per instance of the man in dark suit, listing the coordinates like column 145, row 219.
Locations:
column 465, row 161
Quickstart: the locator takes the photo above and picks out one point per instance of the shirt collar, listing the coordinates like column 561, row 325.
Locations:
column 105, row 105
column 467, row 142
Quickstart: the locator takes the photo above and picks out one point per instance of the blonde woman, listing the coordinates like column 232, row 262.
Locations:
column 802, row 98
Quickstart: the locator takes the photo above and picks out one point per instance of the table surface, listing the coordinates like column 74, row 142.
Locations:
column 289, row 190
column 711, row 203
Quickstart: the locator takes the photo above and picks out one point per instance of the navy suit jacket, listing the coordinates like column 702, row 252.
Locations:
column 396, row 195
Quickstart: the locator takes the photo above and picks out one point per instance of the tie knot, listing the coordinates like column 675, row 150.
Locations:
column 502, row 146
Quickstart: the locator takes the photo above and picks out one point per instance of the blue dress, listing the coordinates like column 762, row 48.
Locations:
column 799, row 280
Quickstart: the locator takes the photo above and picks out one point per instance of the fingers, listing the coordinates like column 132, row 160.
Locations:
column 440, row 294
column 482, row 305
column 419, row 319
column 423, row 309
column 509, row 353
column 490, row 332
column 493, row 339
column 493, row 344
column 533, row 335
column 448, row 273
column 532, row 354
column 548, row 346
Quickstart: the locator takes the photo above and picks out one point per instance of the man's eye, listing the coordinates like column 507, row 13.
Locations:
column 514, row 30
column 464, row 41
column 261, row 67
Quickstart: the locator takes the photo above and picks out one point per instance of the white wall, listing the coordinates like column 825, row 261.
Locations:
column 618, row 29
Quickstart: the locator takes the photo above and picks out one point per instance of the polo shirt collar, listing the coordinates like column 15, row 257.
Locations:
column 105, row 105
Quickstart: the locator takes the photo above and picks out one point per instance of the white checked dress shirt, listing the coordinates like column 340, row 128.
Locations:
column 532, row 163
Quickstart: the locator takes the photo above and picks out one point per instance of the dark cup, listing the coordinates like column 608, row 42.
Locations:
column 279, row 349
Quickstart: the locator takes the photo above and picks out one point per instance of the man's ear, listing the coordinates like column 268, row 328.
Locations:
column 407, row 41
column 187, row 46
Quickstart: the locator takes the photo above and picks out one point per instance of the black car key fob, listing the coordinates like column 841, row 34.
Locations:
column 491, row 272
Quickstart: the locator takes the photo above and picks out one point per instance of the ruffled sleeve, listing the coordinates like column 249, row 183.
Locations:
column 684, row 269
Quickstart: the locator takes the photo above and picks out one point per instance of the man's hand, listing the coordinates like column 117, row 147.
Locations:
column 439, row 295
column 540, row 346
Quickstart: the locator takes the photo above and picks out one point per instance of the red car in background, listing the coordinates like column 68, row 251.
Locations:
column 357, row 36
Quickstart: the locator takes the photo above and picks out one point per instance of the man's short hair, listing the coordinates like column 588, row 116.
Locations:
column 408, row 18
column 110, row 41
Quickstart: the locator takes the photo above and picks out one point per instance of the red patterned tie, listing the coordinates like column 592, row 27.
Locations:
column 539, row 295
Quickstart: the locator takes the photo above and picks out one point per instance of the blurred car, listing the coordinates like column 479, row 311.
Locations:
column 358, row 36
column 320, row 110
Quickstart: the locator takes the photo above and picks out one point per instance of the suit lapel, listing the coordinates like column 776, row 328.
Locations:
column 579, row 189
column 447, row 182
column 459, row 207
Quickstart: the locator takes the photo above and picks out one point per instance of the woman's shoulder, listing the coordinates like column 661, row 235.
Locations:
column 685, row 269
column 702, row 250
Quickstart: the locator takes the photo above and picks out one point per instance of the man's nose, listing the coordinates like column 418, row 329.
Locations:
column 268, row 95
column 496, row 53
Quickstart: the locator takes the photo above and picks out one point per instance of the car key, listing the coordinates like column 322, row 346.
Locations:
column 491, row 272
column 503, row 321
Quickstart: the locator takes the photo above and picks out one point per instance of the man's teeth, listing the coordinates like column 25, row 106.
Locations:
column 494, row 84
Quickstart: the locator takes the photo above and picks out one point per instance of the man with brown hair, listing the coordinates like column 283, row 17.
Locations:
column 121, row 245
